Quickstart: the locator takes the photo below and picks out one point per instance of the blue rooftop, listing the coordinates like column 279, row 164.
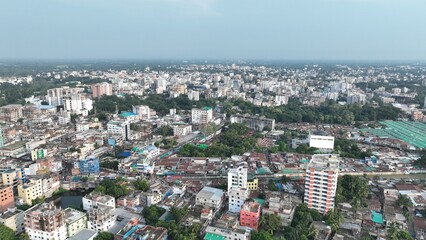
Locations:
column 377, row 217
column 127, row 114
column 125, row 154
column 46, row 107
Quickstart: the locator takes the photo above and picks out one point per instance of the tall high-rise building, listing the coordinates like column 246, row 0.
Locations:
column 202, row 116
column 142, row 111
column 237, row 177
column 120, row 128
column 55, row 95
column 45, row 221
column 321, row 182
column 237, row 188
column 11, row 112
column 254, row 122
column 101, row 89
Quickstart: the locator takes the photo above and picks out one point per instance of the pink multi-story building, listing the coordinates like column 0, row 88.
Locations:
column 100, row 89
column 250, row 215
column 6, row 198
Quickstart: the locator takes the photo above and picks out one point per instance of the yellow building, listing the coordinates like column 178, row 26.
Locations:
column 38, row 153
column 75, row 221
column 30, row 191
column 252, row 183
column 180, row 88
column 11, row 177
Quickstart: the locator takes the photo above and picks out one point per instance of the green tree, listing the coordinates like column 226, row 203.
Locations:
column 353, row 189
column 272, row 186
column 178, row 213
column 334, row 218
column 142, row 185
column 24, row 236
column 301, row 226
column 166, row 131
column 109, row 164
column 6, row 233
column 60, row 192
column 23, row 207
column 116, row 188
column 37, row 201
column 284, row 179
column 261, row 235
column 404, row 201
column 104, row 236
column 152, row 214
column 393, row 233
column 421, row 162
column 270, row 223
column 208, row 129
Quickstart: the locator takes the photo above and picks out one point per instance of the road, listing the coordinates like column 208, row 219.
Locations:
column 279, row 175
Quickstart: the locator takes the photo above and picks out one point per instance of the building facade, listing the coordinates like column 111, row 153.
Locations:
column 237, row 177
column 142, row 111
column 55, row 95
column 258, row 123
column 209, row 197
column 202, row 116
column 7, row 199
column 250, row 215
column 101, row 89
column 228, row 234
column 45, row 221
column 321, row 142
column 30, row 191
column 237, row 187
column 119, row 128
column 252, row 183
column 75, row 221
column 100, row 218
column 95, row 199
column 321, row 182
column 89, row 166
column 14, row 219
column 181, row 130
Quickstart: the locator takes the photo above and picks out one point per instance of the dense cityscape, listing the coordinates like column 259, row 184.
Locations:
column 221, row 150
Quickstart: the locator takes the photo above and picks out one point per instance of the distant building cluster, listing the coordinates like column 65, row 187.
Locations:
column 145, row 159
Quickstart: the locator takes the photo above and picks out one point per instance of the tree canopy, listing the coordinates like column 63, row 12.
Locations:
column 270, row 223
column 6, row 233
column 421, row 162
column 152, row 214
column 404, row 201
column 116, row 188
column 301, row 227
column 235, row 140
column 352, row 189
column 142, row 185
column 104, row 236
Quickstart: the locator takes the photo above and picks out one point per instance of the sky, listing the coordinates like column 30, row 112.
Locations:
column 214, row 29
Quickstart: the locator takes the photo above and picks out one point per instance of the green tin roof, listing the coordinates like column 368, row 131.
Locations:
column 212, row 236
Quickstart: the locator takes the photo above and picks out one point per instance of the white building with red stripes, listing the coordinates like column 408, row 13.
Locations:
column 321, row 181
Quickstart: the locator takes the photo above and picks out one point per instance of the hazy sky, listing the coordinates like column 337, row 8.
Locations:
column 214, row 29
